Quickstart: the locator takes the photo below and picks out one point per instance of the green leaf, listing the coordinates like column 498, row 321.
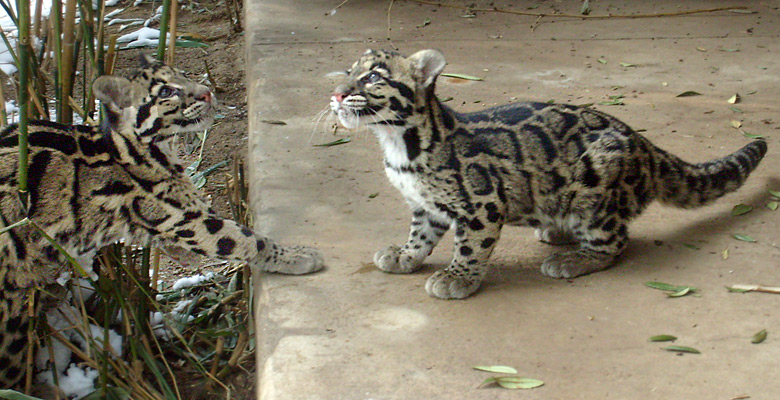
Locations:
column 335, row 142
column 741, row 209
column 662, row 338
column 373, row 195
column 688, row 94
column 759, row 337
column 736, row 290
column 680, row 293
column 744, row 238
column 774, row 193
column 750, row 135
column 190, row 43
column 446, row 99
column 682, row 349
column 730, row 50
column 463, row 76
column 585, row 9
column 426, row 22
column 733, row 99
column 602, row 61
column 614, row 100
column 772, row 205
column 513, row 382
column 691, row 246
column 667, row 287
column 498, row 369
column 626, row 65
column 736, row 109
column 14, row 395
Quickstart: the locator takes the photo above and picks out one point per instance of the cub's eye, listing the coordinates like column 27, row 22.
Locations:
column 372, row 78
column 166, row 92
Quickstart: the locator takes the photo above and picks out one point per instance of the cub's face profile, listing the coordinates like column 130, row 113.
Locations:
column 383, row 88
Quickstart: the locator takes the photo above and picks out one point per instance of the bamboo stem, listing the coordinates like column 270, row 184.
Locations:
column 23, row 8
column 67, row 62
column 172, row 24
column 166, row 14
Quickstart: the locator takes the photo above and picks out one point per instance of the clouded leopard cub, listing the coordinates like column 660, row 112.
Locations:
column 575, row 174
column 90, row 187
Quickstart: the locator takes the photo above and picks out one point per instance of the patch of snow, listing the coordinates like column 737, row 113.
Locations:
column 192, row 281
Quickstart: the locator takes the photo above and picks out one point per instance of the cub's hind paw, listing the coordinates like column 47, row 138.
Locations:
column 571, row 264
column 294, row 260
column 392, row 259
column 445, row 285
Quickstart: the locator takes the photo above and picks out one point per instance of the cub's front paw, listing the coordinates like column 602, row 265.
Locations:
column 444, row 285
column 392, row 259
column 571, row 264
column 554, row 236
column 294, row 260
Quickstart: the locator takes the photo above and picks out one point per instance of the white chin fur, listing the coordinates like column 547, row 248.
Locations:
column 347, row 119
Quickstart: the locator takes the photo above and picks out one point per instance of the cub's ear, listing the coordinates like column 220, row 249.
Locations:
column 427, row 65
column 115, row 92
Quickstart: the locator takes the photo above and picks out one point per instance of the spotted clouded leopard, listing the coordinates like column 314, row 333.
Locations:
column 90, row 187
column 575, row 174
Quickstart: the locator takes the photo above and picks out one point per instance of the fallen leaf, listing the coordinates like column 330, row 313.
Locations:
column 701, row 49
column 691, row 246
column 730, row 50
column 499, row 369
column 446, row 99
column 669, row 288
column 682, row 349
column 750, row 135
column 733, row 99
column 662, row 338
column 736, row 124
column 754, row 288
column 602, row 61
column 513, row 382
column 744, row 238
column 463, row 76
column 741, row 209
column 736, row 109
column 426, row 22
column 772, row 205
column 680, row 293
column 725, row 254
column 741, row 397
column 373, row 195
column 273, row 122
column 626, row 65
column 585, row 10
column 688, row 93
column 334, row 143
column 759, row 337
column 773, row 192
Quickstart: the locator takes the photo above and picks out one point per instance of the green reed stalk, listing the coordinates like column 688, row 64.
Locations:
column 56, row 23
column 67, row 62
column 23, row 8
column 166, row 16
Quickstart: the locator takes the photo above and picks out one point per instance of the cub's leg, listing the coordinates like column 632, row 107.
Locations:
column 217, row 237
column 474, row 241
column 600, row 244
column 424, row 234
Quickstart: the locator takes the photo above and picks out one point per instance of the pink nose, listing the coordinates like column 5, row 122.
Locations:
column 339, row 96
column 205, row 97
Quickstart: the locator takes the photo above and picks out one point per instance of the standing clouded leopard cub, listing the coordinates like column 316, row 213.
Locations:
column 575, row 174
column 90, row 187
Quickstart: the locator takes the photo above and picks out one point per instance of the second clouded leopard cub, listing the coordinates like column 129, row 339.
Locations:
column 575, row 174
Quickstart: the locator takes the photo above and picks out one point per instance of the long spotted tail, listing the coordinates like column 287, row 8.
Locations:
column 692, row 185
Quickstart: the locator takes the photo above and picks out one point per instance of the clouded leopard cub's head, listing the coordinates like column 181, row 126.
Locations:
column 386, row 89
column 155, row 102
